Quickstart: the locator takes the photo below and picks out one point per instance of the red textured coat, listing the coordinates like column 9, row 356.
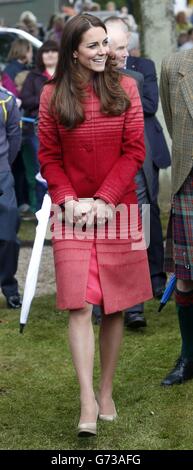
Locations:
column 99, row 158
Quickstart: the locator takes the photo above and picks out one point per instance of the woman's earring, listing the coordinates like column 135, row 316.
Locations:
column 75, row 60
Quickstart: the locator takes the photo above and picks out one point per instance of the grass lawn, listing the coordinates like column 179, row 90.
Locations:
column 27, row 230
column 39, row 405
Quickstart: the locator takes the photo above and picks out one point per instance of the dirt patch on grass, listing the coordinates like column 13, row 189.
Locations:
column 46, row 276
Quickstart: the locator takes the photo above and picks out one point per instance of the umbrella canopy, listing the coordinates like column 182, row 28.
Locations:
column 32, row 274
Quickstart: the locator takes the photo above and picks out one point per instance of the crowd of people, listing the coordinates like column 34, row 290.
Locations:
column 100, row 148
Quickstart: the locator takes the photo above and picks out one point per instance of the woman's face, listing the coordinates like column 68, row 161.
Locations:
column 50, row 58
column 93, row 50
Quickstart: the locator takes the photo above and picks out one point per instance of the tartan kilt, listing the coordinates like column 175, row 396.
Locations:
column 179, row 242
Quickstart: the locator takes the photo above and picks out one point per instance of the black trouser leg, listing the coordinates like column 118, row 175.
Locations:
column 9, row 253
column 156, row 248
column 142, row 196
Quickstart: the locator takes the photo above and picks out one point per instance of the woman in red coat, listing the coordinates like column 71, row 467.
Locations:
column 91, row 146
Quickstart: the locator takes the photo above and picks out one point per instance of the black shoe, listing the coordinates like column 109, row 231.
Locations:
column 135, row 320
column 14, row 301
column 182, row 371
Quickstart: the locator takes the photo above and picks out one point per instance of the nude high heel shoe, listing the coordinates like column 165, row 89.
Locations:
column 88, row 429
column 108, row 417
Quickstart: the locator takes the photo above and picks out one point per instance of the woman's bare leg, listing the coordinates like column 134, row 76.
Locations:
column 111, row 332
column 81, row 340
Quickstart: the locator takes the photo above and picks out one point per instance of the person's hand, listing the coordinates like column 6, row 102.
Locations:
column 87, row 212
column 83, row 212
column 78, row 212
column 69, row 207
column 102, row 212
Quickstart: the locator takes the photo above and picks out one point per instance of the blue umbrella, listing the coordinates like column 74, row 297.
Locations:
column 168, row 292
column 28, row 119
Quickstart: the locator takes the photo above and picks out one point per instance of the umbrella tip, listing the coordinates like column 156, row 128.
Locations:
column 21, row 327
column 160, row 307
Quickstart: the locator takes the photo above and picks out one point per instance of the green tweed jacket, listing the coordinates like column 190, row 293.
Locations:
column 176, row 91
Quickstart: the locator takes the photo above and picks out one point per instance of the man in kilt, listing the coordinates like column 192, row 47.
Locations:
column 176, row 89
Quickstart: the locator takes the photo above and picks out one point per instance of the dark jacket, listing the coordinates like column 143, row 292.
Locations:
column 147, row 168
column 138, row 77
column 30, row 96
column 154, row 131
column 10, row 130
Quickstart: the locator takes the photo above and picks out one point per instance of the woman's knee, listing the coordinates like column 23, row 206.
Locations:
column 112, row 317
column 82, row 315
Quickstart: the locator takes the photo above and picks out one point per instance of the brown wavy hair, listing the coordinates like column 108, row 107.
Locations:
column 19, row 49
column 70, row 84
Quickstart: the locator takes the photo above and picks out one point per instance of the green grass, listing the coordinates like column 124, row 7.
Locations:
column 27, row 230
column 39, row 405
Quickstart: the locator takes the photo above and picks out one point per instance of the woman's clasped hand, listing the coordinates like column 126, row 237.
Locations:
column 90, row 212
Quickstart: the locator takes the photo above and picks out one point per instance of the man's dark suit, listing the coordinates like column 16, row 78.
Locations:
column 160, row 157
column 150, row 99
column 147, row 170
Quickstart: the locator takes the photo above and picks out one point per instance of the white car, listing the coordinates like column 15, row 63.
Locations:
column 7, row 36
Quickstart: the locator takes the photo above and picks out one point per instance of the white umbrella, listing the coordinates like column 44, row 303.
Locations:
column 32, row 273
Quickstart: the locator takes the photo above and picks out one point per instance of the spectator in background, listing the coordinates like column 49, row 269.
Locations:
column 124, row 11
column 29, row 23
column 111, row 6
column 55, row 34
column 160, row 158
column 19, row 58
column 82, row 5
column 50, row 24
column 46, row 61
column 182, row 24
column 10, row 141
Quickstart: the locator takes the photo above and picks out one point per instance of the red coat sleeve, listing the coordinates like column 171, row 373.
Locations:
column 118, row 181
column 50, row 153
